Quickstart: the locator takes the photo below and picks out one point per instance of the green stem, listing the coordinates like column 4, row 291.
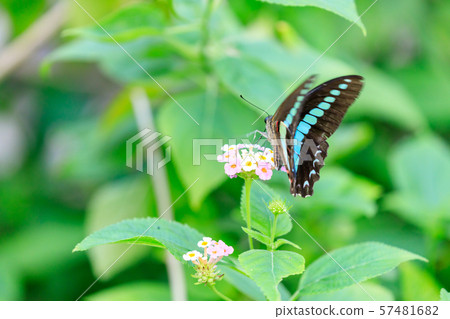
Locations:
column 221, row 295
column 272, row 233
column 248, row 187
column 295, row 295
column 205, row 35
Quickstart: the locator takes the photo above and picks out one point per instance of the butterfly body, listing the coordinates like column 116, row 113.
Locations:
column 304, row 121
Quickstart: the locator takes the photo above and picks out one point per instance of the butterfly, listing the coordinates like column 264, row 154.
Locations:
column 306, row 119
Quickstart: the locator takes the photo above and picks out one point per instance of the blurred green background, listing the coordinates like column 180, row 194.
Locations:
column 65, row 114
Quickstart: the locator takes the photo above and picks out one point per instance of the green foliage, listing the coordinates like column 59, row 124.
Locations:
column 178, row 124
column 385, row 179
column 242, row 283
column 130, row 23
column 354, row 293
column 262, row 218
column 268, row 268
column 420, row 171
column 133, row 291
column 173, row 236
column 360, row 261
column 341, row 192
column 445, row 296
column 257, row 235
column 128, row 198
column 344, row 8
column 417, row 284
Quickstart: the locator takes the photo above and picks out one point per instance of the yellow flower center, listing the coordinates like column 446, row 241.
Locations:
column 264, row 170
column 233, row 166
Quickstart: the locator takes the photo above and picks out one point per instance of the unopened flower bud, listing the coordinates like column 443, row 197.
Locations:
column 278, row 207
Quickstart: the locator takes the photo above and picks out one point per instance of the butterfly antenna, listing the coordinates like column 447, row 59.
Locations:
column 253, row 104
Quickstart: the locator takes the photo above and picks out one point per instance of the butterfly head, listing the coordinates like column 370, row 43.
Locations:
column 266, row 119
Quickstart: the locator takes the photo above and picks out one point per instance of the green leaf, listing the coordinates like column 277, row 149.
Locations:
column 257, row 235
column 191, row 10
column 344, row 8
column 153, row 54
column 114, row 202
column 417, row 284
column 343, row 193
column 245, row 75
column 445, row 296
column 126, row 24
column 242, row 282
column 216, row 115
column 268, row 268
column 283, row 241
column 360, row 261
column 133, row 291
column 10, row 283
column 30, row 251
column 348, row 139
column 406, row 114
column 354, row 293
column 262, row 218
column 175, row 237
column 421, row 196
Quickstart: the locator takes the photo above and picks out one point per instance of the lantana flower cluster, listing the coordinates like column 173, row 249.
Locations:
column 247, row 160
column 205, row 264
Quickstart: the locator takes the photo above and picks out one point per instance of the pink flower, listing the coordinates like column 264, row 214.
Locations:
column 283, row 169
column 264, row 171
column 227, row 250
column 215, row 251
column 232, row 169
column 247, row 160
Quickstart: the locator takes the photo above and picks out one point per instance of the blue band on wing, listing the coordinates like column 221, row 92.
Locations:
column 324, row 105
column 310, row 119
column 316, row 112
column 304, row 127
column 335, row 92
column 298, row 138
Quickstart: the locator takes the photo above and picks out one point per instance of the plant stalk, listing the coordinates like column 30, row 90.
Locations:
column 295, row 295
column 144, row 118
column 221, row 295
column 274, row 228
column 206, row 36
column 248, row 187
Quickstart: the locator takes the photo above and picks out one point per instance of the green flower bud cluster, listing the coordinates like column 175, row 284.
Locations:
column 207, row 274
column 278, row 207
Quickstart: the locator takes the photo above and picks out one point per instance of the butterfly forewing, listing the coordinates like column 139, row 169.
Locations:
column 317, row 118
column 287, row 110
column 281, row 121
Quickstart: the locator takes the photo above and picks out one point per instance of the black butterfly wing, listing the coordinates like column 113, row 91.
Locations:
column 320, row 114
column 282, row 118
column 293, row 101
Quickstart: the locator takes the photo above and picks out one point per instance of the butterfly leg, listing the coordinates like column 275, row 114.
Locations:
column 262, row 134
